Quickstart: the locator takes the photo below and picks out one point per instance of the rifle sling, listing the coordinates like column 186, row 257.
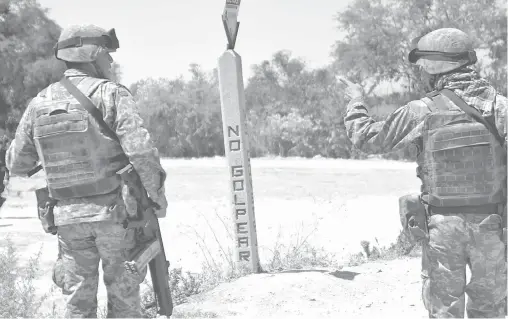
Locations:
column 471, row 111
column 89, row 106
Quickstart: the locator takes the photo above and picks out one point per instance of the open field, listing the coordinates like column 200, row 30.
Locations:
column 333, row 204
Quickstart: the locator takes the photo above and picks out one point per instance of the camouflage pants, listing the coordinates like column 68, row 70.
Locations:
column 82, row 246
column 456, row 241
column 4, row 175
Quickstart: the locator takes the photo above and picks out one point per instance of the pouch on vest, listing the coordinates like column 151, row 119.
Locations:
column 45, row 206
column 78, row 158
column 413, row 217
column 463, row 163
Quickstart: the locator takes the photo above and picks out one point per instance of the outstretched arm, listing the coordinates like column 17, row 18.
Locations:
column 399, row 129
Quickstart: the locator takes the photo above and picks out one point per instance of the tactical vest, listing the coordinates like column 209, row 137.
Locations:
column 461, row 162
column 78, row 158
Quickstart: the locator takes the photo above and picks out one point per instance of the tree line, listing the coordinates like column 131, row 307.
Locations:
column 292, row 110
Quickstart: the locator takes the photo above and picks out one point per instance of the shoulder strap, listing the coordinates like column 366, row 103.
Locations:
column 471, row 111
column 88, row 105
column 435, row 102
column 89, row 85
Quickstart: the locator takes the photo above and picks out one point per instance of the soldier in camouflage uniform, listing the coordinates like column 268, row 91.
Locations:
column 80, row 162
column 462, row 165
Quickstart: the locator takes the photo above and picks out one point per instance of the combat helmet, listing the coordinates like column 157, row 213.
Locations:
column 81, row 43
column 442, row 50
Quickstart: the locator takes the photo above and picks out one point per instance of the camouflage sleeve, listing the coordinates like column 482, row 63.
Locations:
column 398, row 130
column 21, row 156
column 139, row 147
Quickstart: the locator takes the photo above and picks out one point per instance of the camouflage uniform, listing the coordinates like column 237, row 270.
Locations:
column 89, row 228
column 455, row 239
column 4, row 173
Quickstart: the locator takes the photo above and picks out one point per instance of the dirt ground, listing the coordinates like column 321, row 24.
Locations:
column 335, row 204
column 374, row 290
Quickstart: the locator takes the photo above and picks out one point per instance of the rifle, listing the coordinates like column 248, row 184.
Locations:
column 152, row 251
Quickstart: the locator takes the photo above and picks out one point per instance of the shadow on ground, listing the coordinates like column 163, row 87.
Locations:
column 341, row 274
column 344, row 274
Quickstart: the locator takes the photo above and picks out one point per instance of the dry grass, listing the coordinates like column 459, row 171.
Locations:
column 18, row 297
column 309, row 214
column 401, row 248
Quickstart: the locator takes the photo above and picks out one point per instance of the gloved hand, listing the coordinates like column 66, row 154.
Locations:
column 352, row 90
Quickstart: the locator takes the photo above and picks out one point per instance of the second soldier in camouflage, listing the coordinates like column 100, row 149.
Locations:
column 462, row 165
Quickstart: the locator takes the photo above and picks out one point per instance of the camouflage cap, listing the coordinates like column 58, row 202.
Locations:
column 80, row 43
column 453, row 42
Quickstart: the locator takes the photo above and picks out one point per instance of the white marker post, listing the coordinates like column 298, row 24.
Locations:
column 236, row 144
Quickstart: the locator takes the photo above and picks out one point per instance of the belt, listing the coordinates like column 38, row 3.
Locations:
column 483, row 209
